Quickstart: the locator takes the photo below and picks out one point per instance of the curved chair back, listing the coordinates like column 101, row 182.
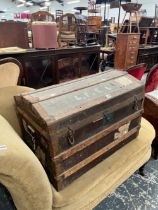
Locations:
column 137, row 71
column 42, row 16
column 152, row 79
column 10, row 72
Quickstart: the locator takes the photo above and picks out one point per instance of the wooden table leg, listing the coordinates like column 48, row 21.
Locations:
column 155, row 149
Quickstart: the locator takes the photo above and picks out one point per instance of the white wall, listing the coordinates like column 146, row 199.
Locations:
column 11, row 8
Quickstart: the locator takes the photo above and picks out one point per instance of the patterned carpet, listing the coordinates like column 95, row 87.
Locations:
column 137, row 193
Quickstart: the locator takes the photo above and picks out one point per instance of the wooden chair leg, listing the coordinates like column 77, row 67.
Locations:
column 141, row 170
column 155, row 148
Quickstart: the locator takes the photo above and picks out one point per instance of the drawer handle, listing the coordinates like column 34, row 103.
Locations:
column 70, row 137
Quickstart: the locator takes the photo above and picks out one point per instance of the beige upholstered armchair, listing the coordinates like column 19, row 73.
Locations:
column 27, row 182
column 10, row 72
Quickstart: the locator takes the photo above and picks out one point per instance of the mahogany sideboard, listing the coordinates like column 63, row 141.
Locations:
column 52, row 66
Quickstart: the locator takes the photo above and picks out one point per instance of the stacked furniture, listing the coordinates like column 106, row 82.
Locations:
column 94, row 21
column 81, row 23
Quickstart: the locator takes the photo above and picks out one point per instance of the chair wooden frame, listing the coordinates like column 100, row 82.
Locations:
column 42, row 16
column 15, row 61
column 39, row 16
column 150, row 72
column 68, row 32
column 137, row 70
column 137, row 66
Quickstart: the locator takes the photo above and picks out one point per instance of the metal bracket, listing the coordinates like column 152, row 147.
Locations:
column 70, row 137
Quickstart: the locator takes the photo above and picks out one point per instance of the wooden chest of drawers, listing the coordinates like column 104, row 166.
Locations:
column 127, row 46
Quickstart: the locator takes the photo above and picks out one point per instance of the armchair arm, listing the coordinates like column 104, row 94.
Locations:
column 21, row 172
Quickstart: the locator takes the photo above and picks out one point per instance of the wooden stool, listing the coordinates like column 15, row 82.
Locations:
column 131, row 9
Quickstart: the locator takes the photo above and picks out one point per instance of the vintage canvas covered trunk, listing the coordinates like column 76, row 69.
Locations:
column 73, row 126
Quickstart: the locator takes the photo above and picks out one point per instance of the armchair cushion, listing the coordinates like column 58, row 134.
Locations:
column 22, row 173
column 9, row 74
column 88, row 190
column 24, row 177
column 67, row 36
column 7, row 104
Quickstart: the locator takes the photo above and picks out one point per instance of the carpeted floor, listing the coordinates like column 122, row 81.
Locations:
column 137, row 193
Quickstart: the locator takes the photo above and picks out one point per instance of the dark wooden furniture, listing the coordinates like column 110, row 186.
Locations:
column 149, row 35
column 153, row 36
column 85, row 36
column 126, row 52
column 74, row 126
column 44, row 67
column 150, row 113
column 148, row 54
column 144, row 35
column 13, row 34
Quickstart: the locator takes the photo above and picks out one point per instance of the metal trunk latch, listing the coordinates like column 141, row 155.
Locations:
column 107, row 118
column 70, row 137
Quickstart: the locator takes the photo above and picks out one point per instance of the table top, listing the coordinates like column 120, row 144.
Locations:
column 52, row 51
column 153, row 94
column 81, row 8
column 153, row 97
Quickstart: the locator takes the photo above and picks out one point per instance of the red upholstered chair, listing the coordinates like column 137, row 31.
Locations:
column 137, row 71
column 152, row 79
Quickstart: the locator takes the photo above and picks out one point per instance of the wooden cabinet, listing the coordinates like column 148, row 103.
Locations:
column 13, row 34
column 127, row 46
column 52, row 66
